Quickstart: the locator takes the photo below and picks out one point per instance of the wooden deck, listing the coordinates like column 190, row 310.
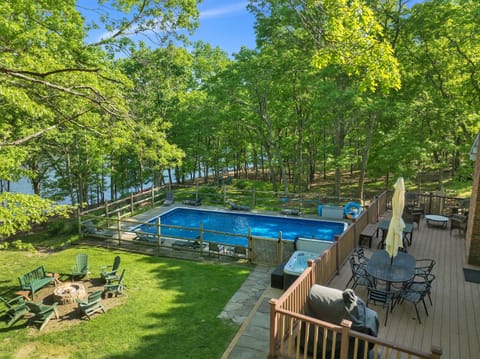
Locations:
column 454, row 319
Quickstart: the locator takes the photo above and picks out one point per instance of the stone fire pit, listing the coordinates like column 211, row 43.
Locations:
column 69, row 292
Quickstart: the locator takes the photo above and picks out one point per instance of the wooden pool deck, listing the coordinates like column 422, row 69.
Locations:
column 454, row 318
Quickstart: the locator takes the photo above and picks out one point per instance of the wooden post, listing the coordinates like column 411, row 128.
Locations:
column 196, row 190
column 312, row 276
column 118, row 228
column 346, row 325
column 280, row 248
column 337, row 257
column 159, row 232
column 201, row 238
column 436, row 352
column 224, row 194
column 254, row 197
column 131, row 203
column 106, row 213
column 273, row 328
column 153, row 195
column 250, row 245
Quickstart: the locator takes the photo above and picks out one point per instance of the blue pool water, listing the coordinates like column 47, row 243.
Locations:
column 238, row 223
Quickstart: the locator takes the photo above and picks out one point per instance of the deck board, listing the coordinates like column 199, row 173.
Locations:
column 453, row 320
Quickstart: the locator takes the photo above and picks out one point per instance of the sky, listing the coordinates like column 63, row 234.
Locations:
column 226, row 24
column 223, row 23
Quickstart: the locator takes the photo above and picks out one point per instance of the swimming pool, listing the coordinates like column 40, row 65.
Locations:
column 238, row 224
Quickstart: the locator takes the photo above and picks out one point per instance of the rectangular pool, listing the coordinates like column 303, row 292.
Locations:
column 238, row 225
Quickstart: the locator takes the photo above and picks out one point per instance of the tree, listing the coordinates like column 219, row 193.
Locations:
column 52, row 82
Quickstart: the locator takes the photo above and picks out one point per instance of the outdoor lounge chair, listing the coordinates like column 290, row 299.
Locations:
column 193, row 202
column 238, row 207
column 42, row 313
column 240, row 251
column 115, row 288
column 92, row 305
column 188, row 244
column 16, row 309
column 291, row 211
column 169, row 200
column 215, row 248
column 110, row 275
column 81, row 268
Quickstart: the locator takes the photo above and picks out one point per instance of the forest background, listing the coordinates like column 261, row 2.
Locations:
column 376, row 87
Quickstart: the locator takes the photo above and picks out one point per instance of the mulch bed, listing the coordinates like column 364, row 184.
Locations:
column 69, row 314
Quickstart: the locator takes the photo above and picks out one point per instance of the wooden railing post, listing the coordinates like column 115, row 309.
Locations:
column 201, row 238
column 106, row 213
column 346, row 325
column 250, row 245
column 430, row 199
column 337, row 257
column 436, row 352
column 313, row 277
column 118, row 229
column 159, row 233
column 153, row 195
column 131, row 203
column 279, row 249
column 273, row 328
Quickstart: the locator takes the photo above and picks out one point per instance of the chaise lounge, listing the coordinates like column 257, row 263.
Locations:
column 238, row 207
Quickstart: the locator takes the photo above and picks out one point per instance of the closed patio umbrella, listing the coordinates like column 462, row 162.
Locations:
column 395, row 229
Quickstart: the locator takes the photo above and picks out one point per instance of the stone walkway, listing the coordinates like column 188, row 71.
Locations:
column 249, row 307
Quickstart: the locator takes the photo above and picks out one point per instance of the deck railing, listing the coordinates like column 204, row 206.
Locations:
column 287, row 321
column 287, row 312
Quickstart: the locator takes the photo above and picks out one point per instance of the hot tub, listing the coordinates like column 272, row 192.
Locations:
column 307, row 248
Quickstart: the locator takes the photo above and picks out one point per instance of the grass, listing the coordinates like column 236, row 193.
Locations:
column 170, row 309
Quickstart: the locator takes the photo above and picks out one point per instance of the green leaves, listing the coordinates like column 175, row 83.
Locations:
column 347, row 34
column 19, row 211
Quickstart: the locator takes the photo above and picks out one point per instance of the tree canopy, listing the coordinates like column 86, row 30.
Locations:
column 380, row 87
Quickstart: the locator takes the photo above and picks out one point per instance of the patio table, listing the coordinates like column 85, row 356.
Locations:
column 401, row 269
column 407, row 233
column 434, row 219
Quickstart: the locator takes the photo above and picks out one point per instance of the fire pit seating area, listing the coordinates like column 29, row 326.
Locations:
column 35, row 280
column 69, row 292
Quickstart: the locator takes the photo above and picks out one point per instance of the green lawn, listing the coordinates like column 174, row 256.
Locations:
column 170, row 309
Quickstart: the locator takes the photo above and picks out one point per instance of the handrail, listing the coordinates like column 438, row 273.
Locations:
column 286, row 312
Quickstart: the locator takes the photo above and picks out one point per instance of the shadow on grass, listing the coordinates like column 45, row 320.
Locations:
column 169, row 309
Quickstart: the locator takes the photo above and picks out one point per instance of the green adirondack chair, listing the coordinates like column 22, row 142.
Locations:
column 16, row 309
column 116, row 288
column 111, row 275
column 81, row 268
column 91, row 305
column 42, row 313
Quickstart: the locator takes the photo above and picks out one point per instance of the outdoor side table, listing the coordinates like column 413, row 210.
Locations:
column 400, row 269
column 436, row 220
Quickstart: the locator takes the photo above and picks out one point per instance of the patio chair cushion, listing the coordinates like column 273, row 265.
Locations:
column 333, row 305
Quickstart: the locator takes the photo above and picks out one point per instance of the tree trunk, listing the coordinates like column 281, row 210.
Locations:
column 365, row 154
